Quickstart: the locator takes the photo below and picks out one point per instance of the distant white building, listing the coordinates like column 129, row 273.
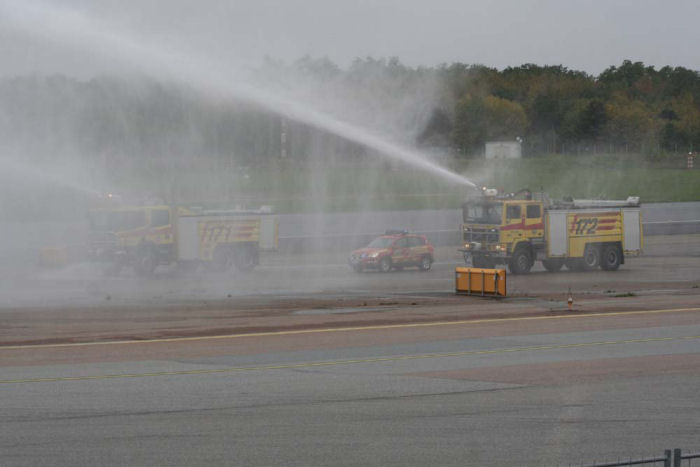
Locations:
column 503, row 150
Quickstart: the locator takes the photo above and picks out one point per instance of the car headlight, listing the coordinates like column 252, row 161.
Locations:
column 467, row 246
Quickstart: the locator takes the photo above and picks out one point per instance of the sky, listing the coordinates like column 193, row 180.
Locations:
column 582, row 35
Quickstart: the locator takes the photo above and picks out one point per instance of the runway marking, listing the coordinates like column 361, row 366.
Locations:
column 344, row 329
column 345, row 362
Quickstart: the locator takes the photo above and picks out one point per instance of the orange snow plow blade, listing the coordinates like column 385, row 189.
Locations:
column 479, row 281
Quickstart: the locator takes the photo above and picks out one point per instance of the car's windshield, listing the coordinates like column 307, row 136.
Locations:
column 482, row 213
column 381, row 242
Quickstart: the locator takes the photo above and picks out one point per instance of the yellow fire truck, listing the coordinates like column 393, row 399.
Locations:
column 518, row 229
column 145, row 237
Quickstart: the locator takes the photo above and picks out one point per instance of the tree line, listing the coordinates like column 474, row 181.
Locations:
column 115, row 123
column 552, row 108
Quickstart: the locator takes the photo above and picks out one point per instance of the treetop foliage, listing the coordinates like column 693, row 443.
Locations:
column 454, row 107
column 632, row 104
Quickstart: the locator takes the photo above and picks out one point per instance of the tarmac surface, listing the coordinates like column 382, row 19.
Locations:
column 303, row 362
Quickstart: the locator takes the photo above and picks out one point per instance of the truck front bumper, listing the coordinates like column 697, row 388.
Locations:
column 487, row 251
column 496, row 254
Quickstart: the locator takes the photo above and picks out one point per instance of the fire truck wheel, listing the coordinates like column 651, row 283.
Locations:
column 553, row 264
column 591, row 258
column 244, row 259
column 426, row 263
column 145, row 263
column 521, row 262
column 385, row 264
column 222, row 259
column 610, row 258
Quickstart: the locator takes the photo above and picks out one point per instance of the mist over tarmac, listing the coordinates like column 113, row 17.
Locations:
column 51, row 177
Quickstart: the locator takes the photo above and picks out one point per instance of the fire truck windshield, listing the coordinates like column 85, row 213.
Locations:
column 482, row 213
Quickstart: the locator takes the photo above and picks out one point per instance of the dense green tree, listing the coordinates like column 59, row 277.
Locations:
column 629, row 121
column 478, row 120
column 592, row 121
column 688, row 123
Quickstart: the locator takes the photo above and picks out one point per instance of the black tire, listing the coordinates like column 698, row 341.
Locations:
column 146, row 262
column 591, row 258
column 385, row 264
column 426, row 262
column 222, row 259
column 553, row 264
column 245, row 259
column 520, row 262
column 610, row 258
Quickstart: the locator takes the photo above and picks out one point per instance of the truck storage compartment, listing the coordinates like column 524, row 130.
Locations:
column 556, row 233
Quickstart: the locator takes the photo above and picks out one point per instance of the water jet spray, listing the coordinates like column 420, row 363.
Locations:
column 86, row 34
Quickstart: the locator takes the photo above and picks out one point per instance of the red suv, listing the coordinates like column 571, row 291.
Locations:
column 394, row 250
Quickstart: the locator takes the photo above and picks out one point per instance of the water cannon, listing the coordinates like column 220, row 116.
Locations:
column 489, row 192
column 112, row 198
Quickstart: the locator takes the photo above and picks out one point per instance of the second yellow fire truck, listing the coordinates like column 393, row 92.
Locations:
column 144, row 237
column 517, row 229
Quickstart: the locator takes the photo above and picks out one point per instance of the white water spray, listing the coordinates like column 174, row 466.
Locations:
column 86, row 34
column 17, row 169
